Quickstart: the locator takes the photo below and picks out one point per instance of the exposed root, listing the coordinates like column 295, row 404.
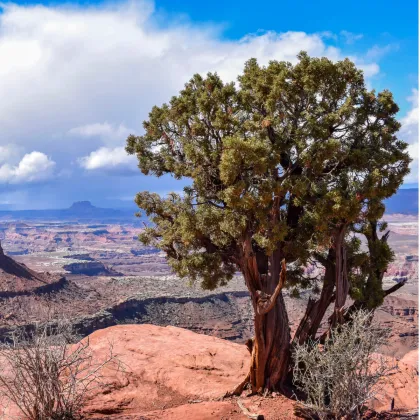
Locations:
column 239, row 389
column 266, row 393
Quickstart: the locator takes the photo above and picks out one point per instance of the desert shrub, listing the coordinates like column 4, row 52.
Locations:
column 47, row 376
column 337, row 378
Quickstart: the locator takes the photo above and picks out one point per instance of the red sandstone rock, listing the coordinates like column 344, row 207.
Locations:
column 411, row 358
column 172, row 373
column 401, row 384
column 165, row 367
column 16, row 278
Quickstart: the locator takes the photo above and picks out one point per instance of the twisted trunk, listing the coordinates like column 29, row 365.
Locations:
column 335, row 288
column 276, row 351
column 265, row 277
column 270, row 347
column 342, row 284
column 315, row 310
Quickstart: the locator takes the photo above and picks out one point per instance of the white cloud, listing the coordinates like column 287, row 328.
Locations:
column 9, row 152
column 410, row 133
column 33, row 167
column 75, row 81
column 369, row 69
column 377, row 52
column 114, row 160
column 108, row 133
column 65, row 67
column 350, row 37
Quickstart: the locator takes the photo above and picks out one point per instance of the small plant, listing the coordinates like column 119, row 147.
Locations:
column 337, row 378
column 47, row 376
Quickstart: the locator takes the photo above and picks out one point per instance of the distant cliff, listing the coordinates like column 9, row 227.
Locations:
column 90, row 268
column 81, row 210
column 405, row 201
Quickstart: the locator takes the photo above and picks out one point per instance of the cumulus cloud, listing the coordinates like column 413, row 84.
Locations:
column 107, row 159
column 76, row 80
column 73, row 67
column 33, row 167
column 410, row 133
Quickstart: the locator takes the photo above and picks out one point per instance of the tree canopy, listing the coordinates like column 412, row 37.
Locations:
column 288, row 169
column 308, row 141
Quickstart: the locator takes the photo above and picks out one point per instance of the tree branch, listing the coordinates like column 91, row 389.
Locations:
column 385, row 236
column 265, row 303
column 394, row 288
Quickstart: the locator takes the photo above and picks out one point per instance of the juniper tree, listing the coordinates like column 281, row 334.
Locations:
column 282, row 167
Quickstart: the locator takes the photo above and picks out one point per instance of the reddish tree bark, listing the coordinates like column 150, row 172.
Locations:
column 270, row 348
column 342, row 284
column 316, row 309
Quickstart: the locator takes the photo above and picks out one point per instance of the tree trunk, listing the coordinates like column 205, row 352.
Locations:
column 335, row 278
column 315, row 310
column 270, row 348
column 277, row 346
column 342, row 284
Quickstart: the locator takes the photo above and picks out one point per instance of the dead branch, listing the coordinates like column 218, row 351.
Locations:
column 248, row 413
column 394, row 288
column 342, row 374
column 46, row 376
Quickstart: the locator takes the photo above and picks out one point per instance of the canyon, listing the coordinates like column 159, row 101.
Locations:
column 97, row 275
column 110, row 278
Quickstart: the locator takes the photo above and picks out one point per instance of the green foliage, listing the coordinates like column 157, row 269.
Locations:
column 368, row 266
column 283, row 157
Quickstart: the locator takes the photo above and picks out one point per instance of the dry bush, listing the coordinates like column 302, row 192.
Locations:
column 340, row 376
column 46, row 376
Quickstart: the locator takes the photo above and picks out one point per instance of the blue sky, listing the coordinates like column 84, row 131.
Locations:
column 77, row 78
column 382, row 23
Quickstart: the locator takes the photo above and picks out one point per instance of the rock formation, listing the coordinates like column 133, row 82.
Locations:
column 172, row 373
column 90, row 268
column 17, row 279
